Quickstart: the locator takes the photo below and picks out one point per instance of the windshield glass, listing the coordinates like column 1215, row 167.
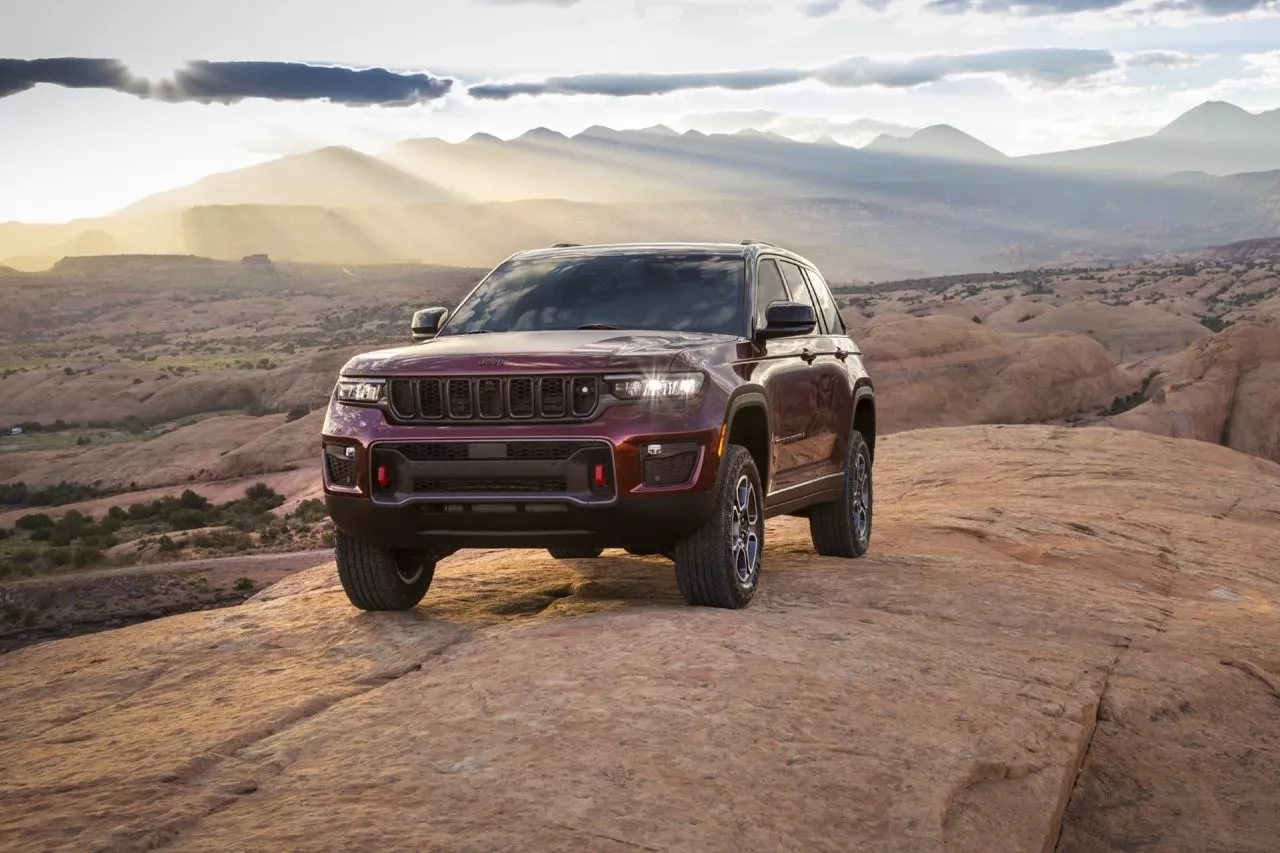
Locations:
column 675, row 292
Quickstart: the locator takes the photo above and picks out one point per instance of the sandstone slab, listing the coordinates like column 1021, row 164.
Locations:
column 1038, row 600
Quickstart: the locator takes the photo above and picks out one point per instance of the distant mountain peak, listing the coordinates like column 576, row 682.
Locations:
column 752, row 133
column 1209, row 120
column 939, row 141
column 828, row 140
column 659, row 130
column 542, row 133
column 483, row 138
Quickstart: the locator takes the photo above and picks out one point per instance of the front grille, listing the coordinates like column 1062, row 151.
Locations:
column 461, row 485
column 494, row 398
column 459, row 398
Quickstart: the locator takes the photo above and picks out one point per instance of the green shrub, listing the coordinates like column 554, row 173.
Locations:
column 186, row 519
column 244, row 584
column 34, row 522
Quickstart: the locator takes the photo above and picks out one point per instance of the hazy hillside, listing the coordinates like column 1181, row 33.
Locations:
column 329, row 177
column 941, row 141
column 1215, row 137
column 939, row 201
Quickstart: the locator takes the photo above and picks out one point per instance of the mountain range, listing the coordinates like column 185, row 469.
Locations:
column 937, row 201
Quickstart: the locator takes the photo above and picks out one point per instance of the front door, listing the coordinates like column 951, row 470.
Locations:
column 784, row 370
column 823, row 451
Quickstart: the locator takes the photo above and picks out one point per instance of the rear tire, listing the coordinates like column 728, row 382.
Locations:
column 575, row 552
column 719, row 566
column 377, row 578
column 842, row 528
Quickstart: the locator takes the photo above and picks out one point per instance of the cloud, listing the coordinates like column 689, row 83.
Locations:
column 821, row 8
column 1038, row 8
column 228, row 82
column 560, row 3
column 1161, row 59
column 1046, row 66
column 18, row 75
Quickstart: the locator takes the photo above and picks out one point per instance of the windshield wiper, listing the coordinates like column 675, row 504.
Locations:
column 601, row 326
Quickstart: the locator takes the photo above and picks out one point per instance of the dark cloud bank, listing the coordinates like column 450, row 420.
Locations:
column 228, row 82
column 1052, row 66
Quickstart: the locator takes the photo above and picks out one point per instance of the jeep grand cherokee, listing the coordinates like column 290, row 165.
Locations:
column 665, row 399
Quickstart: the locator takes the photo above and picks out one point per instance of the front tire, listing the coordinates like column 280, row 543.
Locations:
column 842, row 528
column 377, row 578
column 575, row 552
column 719, row 566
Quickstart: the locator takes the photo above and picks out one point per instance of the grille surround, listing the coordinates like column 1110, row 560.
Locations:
column 471, row 399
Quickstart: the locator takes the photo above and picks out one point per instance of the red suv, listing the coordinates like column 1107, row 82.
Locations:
column 663, row 398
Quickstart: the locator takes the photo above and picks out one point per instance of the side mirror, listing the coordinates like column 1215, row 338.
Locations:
column 427, row 322
column 787, row 319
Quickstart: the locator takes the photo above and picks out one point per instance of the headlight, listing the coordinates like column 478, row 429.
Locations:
column 367, row 391
column 666, row 385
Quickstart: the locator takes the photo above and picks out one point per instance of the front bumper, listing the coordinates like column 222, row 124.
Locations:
column 448, row 487
column 652, row 523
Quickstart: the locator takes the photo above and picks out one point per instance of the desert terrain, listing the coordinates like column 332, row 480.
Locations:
column 154, row 392
column 1063, row 639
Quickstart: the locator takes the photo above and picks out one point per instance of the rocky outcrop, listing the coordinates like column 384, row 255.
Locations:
column 1224, row 389
column 944, row 371
column 1056, row 643
column 1245, row 250
column 115, row 393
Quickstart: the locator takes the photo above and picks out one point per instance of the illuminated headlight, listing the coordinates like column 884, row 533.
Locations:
column 366, row 391
column 664, row 386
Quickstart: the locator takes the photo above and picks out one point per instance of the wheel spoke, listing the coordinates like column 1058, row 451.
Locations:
column 744, row 535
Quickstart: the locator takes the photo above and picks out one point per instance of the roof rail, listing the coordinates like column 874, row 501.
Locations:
column 751, row 242
column 564, row 245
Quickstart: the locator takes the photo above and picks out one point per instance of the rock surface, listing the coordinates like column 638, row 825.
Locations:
column 1033, row 655
column 1224, row 389
column 945, row 371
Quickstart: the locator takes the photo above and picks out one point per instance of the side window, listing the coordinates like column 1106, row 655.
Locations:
column 799, row 290
column 826, row 304
column 769, row 288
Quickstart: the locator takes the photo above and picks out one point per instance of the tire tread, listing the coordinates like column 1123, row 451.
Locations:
column 702, row 572
column 368, row 576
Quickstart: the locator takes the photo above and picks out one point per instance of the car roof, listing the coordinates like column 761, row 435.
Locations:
column 748, row 250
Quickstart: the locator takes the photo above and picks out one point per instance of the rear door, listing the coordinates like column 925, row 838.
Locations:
column 836, row 347
column 824, row 378
column 784, row 374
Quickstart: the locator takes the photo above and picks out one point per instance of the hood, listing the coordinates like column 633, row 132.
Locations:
column 533, row 352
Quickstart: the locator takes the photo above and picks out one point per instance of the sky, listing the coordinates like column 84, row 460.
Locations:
column 104, row 103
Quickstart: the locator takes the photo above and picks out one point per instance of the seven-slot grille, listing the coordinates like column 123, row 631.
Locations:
column 494, row 398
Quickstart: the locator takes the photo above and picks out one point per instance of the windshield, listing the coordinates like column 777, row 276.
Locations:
column 676, row 292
